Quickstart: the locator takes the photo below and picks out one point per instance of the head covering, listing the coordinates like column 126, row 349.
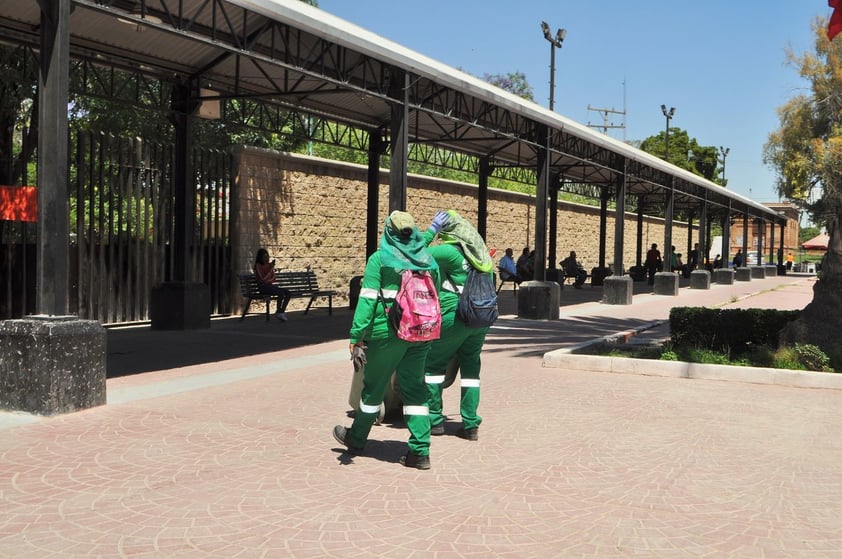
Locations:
column 458, row 231
column 402, row 246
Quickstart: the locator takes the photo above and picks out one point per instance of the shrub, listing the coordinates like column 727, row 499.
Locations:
column 812, row 357
column 786, row 358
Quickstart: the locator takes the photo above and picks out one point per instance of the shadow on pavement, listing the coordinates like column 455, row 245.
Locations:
column 138, row 349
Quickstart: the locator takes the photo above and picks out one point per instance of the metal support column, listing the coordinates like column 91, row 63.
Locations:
column 555, row 186
column 669, row 208
column 541, row 190
column 376, row 148
column 53, row 85
column 482, row 200
column 398, row 91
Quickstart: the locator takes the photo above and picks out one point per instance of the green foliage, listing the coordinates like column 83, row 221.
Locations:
column 669, row 355
column 686, row 153
column 806, row 150
column 513, row 82
column 808, row 232
column 737, row 329
column 813, row 358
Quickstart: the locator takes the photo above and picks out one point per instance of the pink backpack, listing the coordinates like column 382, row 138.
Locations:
column 415, row 315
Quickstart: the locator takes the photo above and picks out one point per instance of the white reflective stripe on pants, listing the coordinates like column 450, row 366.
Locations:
column 469, row 383
column 369, row 409
column 416, row 410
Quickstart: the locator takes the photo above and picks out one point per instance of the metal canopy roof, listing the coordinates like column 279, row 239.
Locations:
column 295, row 55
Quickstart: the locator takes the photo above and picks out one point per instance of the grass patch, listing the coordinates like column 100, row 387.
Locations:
column 799, row 357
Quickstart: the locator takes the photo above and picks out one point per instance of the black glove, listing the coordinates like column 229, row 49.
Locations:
column 358, row 357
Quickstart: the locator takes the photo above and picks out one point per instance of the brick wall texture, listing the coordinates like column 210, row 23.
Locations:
column 311, row 213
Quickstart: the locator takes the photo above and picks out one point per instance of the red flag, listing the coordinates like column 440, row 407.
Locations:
column 18, row 203
column 834, row 26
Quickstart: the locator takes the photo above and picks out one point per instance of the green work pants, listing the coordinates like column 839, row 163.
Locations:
column 457, row 340
column 406, row 360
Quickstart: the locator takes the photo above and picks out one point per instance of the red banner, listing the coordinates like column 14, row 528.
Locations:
column 18, row 203
column 834, row 26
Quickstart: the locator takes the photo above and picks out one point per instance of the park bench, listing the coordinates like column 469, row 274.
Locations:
column 299, row 284
column 509, row 279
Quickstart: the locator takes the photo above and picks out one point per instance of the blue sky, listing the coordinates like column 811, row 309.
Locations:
column 720, row 63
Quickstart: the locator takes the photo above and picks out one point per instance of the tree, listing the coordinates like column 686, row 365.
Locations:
column 686, row 153
column 18, row 111
column 806, row 154
column 513, row 82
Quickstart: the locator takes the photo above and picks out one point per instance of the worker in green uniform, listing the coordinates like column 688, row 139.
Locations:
column 461, row 247
column 402, row 247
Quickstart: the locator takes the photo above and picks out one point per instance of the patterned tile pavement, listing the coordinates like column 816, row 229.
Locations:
column 234, row 459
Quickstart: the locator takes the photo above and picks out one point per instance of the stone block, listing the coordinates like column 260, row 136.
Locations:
column 618, row 290
column 539, row 300
column 699, row 279
column 771, row 270
column 52, row 364
column 178, row 305
column 666, row 283
column 743, row 274
column 758, row 272
column 724, row 276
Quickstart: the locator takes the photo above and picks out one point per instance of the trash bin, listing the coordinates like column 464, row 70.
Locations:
column 354, row 291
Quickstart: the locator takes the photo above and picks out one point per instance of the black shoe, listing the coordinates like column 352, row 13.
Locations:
column 471, row 434
column 415, row 461
column 340, row 433
column 437, row 429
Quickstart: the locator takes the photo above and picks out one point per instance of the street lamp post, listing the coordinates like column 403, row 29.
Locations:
column 668, row 114
column 724, row 152
column 554, row 42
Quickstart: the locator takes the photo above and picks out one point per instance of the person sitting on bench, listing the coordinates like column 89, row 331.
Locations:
column 264, row 271
column 573, row 269
column 508, row 271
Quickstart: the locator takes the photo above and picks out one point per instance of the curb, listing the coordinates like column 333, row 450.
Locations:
column 564, row 359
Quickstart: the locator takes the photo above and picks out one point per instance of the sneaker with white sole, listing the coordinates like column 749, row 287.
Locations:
column 340, row 433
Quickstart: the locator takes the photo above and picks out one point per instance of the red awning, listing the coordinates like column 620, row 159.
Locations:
column 816, row 243
column 18, row 203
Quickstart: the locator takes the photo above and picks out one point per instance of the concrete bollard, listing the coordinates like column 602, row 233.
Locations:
column 724, row 276
column 618, row 290
column 52, row 364
column 743, row 274
column 539, row 300
column 666, row 283
column 699, row 279
column 758, row 272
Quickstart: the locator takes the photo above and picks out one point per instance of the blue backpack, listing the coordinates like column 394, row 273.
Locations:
column 477, row 306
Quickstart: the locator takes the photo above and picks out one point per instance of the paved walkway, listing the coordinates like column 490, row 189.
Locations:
column 234, row 458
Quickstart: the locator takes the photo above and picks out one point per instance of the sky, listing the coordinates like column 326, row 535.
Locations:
column 720, row 63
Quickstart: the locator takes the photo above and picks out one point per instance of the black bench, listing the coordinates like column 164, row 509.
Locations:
column 509, row 279
column 571, row 278
column 299, row 284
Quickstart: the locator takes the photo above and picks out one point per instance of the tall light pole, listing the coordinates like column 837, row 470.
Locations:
column 555, row 42
column 724, row 152
column 668, row 114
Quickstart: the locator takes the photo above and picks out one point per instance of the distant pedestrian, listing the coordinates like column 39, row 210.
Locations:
column 653, row 262
column 264, row 272
column 401, row 248
column 738, row 259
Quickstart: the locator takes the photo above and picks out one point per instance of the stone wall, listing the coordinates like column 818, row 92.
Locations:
column 310, row 213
